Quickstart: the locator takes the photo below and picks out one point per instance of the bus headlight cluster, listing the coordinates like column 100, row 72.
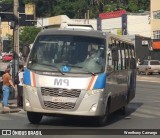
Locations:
column 92, row 92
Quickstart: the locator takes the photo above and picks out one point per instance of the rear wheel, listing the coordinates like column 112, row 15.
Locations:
column 34, row 118
column 122, row 110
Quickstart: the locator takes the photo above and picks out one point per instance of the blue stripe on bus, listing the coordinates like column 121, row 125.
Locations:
column 100, row 82
column 27, row 78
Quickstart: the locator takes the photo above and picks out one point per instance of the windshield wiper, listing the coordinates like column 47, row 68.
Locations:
column 85, row 69
column 52, row 66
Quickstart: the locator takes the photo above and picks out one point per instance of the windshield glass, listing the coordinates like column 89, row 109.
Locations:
column 70, row 54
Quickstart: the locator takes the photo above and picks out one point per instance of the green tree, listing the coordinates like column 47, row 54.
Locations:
column 7, row 1
column 133, row 5
column 28, row 35
column 65, row 7
column 78, row 8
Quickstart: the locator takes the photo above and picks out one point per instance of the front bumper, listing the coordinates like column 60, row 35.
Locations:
column 93, row 105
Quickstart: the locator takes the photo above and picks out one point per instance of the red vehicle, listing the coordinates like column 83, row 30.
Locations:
column 7, row 57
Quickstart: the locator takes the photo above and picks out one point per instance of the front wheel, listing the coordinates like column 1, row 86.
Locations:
column 102, row 120
column 34, row 117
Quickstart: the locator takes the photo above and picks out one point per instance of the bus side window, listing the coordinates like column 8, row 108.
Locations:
column 127, row 58
column 132, row 60
column 115, row 55
column 109, row 59
column 123, row 56
column 120, row 61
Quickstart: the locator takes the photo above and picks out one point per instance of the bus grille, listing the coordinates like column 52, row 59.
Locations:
column 54, row 105
column 60, row 92
column 56, row 92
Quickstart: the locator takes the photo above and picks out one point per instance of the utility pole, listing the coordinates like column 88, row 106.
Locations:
column 15, row 37
column 1, row 47
column 0, row 37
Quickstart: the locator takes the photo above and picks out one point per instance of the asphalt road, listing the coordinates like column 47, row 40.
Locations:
column 142, row 113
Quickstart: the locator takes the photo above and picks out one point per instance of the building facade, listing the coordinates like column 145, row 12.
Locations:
column 155, row 19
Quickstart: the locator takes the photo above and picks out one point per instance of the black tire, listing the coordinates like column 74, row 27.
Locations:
column 102, row 120
column 122, row 110
column 34, row 118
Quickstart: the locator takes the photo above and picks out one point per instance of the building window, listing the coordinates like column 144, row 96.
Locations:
column 156, row 34
column 156, row 14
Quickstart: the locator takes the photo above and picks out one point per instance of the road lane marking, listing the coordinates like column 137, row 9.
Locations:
column 150, row 81
column 148, row 113
column 151, row 107
column 142, row 115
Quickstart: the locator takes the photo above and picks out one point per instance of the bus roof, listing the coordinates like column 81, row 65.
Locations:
column 121, row 39
column 71, row 31
column 85, row 32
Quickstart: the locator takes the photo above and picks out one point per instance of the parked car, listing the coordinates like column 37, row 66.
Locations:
column 149, row 67
column 7, row 57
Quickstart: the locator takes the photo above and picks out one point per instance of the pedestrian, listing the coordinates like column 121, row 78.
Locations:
column 20, row 86
column 7, row 84
column 25, row 52
column 138, row 62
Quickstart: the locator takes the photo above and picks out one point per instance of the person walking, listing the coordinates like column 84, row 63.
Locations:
column 20, row 86
column 7, row 84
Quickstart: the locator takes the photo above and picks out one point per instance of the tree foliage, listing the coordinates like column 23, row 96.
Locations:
column 28, row 35
column 78, row 8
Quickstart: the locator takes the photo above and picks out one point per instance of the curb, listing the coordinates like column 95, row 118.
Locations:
column 13, row 108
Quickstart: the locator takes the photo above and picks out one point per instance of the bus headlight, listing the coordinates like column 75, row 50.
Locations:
column 92, row 92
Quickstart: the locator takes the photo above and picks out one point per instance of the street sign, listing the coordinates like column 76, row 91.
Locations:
column 23, row 18
column 6, row 13
column 29, row 9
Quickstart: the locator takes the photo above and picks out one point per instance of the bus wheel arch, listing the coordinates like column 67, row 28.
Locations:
column 34, row 117
column 103, row 120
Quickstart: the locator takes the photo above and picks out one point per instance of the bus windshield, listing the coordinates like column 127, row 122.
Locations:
column 68, row 53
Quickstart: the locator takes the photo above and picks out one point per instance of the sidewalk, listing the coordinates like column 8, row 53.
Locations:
column 12, row 105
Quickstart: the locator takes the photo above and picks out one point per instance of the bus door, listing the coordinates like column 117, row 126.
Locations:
column 120, row 75
column 132, row 73
column 115, row 78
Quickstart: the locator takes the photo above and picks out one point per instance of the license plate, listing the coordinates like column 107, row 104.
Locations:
column 63, row 100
